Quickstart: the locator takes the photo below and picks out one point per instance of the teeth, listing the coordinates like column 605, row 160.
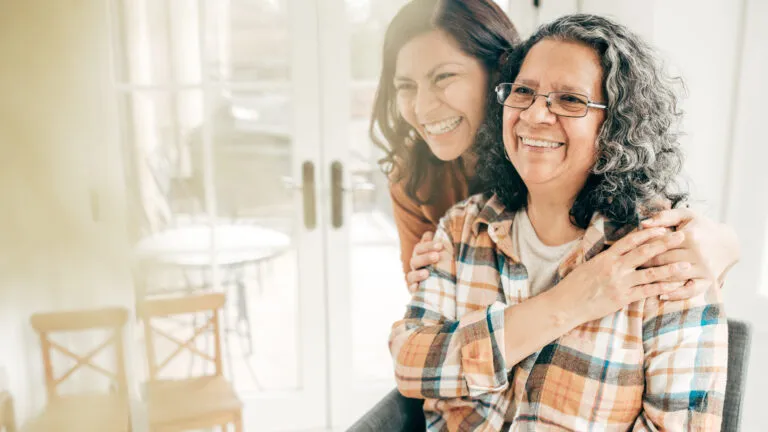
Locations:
column 442, row 126
column 539, row 143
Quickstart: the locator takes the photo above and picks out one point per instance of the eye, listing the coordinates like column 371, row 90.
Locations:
column 443, row 76
column 572, row 99
column 522, row 90
column 404, row 87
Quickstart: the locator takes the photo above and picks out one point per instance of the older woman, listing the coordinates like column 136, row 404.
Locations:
column 535, row 317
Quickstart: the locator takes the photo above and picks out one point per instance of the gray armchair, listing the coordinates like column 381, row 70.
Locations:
column 396, row 413
column 739, row 340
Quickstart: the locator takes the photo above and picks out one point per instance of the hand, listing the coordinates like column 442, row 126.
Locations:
column 710, row 247
column 426, row 252
column 612, row 279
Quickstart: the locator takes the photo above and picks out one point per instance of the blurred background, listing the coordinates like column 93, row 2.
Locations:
column 153, row 147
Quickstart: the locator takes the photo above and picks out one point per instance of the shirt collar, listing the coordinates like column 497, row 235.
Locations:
column 600, row 234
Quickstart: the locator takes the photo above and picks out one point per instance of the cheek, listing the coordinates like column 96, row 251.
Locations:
column 405, row 108
column 508, row 122
column 583, row 134
column 466, row 99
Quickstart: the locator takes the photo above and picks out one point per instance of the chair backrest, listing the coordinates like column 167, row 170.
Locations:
column 206, row 304
column 113, row 319
column 739, row 340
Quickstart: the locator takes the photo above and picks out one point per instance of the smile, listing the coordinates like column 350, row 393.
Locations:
column 442, row 126
column 530, row 142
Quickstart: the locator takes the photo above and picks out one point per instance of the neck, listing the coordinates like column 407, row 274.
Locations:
column 469, row 158
column 551, row 218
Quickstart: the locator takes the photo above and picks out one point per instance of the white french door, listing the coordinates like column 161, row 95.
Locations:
column 366, row 288
column 219, row 103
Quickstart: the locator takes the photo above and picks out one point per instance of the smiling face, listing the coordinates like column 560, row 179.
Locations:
column 441, row 92
column 548, row 151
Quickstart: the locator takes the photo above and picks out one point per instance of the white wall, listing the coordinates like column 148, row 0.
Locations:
column 59, row 155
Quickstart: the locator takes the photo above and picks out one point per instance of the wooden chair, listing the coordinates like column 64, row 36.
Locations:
column 93, row 412
column 7, row 414
column 191, row 403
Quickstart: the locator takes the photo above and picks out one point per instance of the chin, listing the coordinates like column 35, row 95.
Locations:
column 446, row 153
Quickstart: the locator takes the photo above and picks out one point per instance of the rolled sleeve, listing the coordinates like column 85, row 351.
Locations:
column 686, row 358
column 436, row 354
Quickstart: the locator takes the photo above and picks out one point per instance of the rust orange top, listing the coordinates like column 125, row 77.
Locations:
column 412, row 218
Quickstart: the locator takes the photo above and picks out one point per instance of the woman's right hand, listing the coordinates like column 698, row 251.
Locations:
column 613, row 278
column 426, row 252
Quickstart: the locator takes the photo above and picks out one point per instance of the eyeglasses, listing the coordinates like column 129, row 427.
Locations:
column 563, row 104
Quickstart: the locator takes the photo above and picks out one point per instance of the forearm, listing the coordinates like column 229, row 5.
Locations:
column 533, row 324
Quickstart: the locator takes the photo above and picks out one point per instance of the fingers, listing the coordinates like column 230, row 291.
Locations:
column 424, row 247
column 676, row 272
column 634, row 239
column 645, row 252
column 416, row 276
column 653, row 290
column 669, row 257
column 669, row 218
column 692, row 288
column 426, row 257
column 427, row 236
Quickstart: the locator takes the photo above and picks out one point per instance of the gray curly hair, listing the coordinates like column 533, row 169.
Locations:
column 639, row 156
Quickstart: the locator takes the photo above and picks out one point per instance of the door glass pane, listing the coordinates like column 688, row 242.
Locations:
column 159, row 42
column 248, row 40
column 252, row 157
column 231, row 145
column 376, row 275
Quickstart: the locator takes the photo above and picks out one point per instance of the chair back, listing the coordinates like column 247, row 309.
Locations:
column 739, row 340
column 206, row 304
column 111, row 319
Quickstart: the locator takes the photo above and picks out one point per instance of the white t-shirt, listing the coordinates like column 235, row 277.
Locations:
column 540, row 260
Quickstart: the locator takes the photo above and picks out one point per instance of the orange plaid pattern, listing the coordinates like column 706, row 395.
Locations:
column 653, row 365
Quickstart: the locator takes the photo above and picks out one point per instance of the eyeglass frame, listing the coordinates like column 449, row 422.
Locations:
column 590, row 102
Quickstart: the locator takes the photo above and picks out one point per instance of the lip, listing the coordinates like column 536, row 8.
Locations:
column 431, row 121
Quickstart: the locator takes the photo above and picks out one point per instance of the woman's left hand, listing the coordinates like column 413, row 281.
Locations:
column 710, row 247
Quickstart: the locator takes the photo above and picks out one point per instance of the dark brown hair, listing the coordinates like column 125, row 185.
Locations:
column 481, row 29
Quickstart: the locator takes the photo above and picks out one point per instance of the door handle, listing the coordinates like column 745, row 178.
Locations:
column 307, row 187
column 337, row 194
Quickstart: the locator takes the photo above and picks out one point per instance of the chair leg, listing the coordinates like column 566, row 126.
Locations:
column 223, row 427
column 239, row 422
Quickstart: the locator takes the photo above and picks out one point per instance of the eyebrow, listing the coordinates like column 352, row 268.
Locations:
column 559, row 87
column 431, row 72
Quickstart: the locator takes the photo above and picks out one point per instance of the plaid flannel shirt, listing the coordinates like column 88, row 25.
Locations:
column 653, row 365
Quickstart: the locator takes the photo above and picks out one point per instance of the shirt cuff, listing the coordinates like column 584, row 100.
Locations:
column 482, row 350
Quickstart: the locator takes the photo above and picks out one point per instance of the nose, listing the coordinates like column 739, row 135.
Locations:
column 426, row 101
column 538, row 112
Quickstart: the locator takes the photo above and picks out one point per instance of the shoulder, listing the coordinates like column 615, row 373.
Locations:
column 462, row 216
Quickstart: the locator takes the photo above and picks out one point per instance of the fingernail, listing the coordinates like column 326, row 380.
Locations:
column 424, row 274
column 435, row 256
column 647, row 222
column 438, row 246
column 664, row 297
column 683, row 266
